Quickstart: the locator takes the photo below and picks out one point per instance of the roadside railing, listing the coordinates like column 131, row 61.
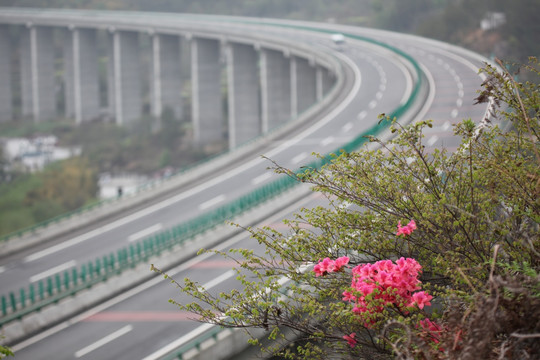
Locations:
column 62, row 285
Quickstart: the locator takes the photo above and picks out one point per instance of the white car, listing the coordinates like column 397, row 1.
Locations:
column 339, row 40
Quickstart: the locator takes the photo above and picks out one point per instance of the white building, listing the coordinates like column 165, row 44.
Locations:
column 34, row 154
column 493, row 20
column 119, row 185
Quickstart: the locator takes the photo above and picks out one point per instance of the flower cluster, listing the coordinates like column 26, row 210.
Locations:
column 350, row 339
column 383, row 283
column 328, row 265
column 377, row 286
column 407, row 229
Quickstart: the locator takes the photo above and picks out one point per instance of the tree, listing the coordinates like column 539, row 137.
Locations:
column 476, row 215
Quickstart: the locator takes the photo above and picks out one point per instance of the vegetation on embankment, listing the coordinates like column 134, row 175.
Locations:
column 27, row 199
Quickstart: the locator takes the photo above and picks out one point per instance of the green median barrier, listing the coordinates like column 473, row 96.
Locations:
column 41, row 290
column 58, row 283
column 50, row 288
column 74, row 276
column 13, row 301
column 4, row 306
column 32, row 294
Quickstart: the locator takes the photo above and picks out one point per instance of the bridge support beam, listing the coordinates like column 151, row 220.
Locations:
column 124, row 77
column 319, row 85
column 166, row 84
column 6, row 95
column 81, row 75
column 275, row 89
column 207, row 112
column 327, row 79
column 37, row 73
column 306, row 84
column 243, row 94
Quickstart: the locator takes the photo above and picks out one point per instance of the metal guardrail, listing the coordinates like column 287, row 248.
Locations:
column 59, row 286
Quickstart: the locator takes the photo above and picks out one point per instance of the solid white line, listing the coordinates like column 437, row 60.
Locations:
column 261, row 178
column 143, row 233
column 299, row 157
column 233, row 172
column 107, row 339
column 327, row 141
column 53, row 271
column 408, row 82
column 212, row 202
column 431, row 95
column 219, row 279
column 178, row 342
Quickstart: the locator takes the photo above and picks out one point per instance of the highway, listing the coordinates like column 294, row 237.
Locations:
column 136, row 326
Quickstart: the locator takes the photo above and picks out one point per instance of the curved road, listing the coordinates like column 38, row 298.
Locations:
column 136, row 326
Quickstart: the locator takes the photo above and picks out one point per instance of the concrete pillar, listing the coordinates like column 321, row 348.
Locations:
column 294, row 86
column 328, row 80
column 37, row 73
column 124, row 75
column 243, row 92
column 319, row 92
column 81, row 75
column 6, row 96
column 306, row 84
column 166, row 77
column 207, row 112
column 275, row 89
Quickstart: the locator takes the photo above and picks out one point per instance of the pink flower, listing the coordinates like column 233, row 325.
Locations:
column 318, row 270
column 348, row 296
column 341, row 262
column 421, row 299
column 324, row 267
column 350, row 339
column 328, row 265
column 407, row 229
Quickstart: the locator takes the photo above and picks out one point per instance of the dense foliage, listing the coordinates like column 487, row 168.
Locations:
column 62, row 187
column 474, row 240
column 27, row 199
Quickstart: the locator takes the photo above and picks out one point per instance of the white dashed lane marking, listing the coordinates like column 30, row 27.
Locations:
column 212, row 202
